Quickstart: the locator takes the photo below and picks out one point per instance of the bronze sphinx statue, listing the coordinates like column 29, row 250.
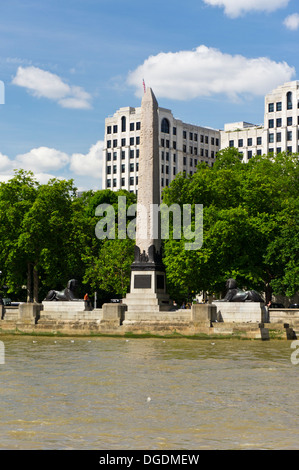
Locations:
column 237, row 295
column 68, row 294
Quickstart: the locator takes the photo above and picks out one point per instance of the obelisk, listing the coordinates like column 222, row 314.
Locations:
column 148, row 235
column 148, row 285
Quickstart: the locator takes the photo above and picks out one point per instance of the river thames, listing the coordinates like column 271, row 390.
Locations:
column 98, row 393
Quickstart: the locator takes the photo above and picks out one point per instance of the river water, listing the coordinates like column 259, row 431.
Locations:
column 148, row 394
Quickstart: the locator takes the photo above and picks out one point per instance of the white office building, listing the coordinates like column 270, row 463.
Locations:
column 183, row 146
column 279, row 133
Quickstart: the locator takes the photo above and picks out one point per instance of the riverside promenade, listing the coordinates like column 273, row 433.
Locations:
column 200, row 321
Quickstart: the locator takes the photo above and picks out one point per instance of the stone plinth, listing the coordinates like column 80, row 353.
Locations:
column 29, row 312
column 67, row 311
column 240, row 312
column 113, row 313
column 203, row 313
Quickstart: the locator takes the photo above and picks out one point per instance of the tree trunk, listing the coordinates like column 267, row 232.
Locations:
column 29, row 283
column 35, row 284
column 268, row 292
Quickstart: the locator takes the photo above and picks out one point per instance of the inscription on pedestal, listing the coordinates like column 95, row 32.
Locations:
column 142, row 281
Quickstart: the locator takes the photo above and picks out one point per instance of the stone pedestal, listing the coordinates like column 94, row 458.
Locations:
column 29, row 312
column 113, row 314
column 240, row 312
column 202, row 313
column 65, row 311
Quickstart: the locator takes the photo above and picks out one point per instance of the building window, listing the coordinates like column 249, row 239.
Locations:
column 195, row 150
column 249, row 142
column 108, row 129
column 114, row 155
column 191, row 162
column 259, row 141
column 271, row 123
column 108, row 156
column 278, row 150
column 123, row 168
column 131, row 140
column 137, row 166
column 162, row 181
column 136, row 179
column 184, row 135
column 184, row 148
column 108, row 144
column 191, row 150
column 271, row 138
column 240, row 143
column 162, row 155
column 278, row 137
column 259, row 152
column 174, row 170
column 137, row 153
column 174, row 130
column 114, row 182
column 289, row 149
column 206, row 154
column 217, row 142
column 201, row 138
column 115, row 143
column 132, row 126
column 137, row 140
column 231, row 143
column 108, row 170
column 114, row 129
column 123, row 142
column 167, row 144
column 174, row 158
column 206, row 139
column 278, row 122
column 289, row 121
column 165, row 126
column 108, row 183
column 289, row 100
column 123, row 154
column 123, row 124
column 167, row 156
column 184, row 161
column 191, row 135
column 271, row 107
column 131, row 180
column 167, row 169
column 249, row 154
column 289, row 135
column 114, row 169
column 137, row 126
column 162, row 168
column 174, row 145
column 279, row 106
column 131, row 153
column 123, row 182
column 195, row 137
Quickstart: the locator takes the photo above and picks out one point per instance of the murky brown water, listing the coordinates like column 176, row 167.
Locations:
column 149, row 394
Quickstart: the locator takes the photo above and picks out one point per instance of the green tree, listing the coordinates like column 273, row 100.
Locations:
column 250, row 218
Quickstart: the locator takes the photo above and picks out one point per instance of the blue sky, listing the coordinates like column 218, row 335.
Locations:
column 68, row 64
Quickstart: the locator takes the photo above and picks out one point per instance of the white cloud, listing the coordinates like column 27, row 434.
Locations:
column 207, row 71
column 235, row 8
column 292, row 21
column 44, row 84
column 89, row 164
column 42, row 159
column 47, row 163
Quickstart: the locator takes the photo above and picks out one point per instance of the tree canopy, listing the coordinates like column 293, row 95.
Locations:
column 250, row 219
